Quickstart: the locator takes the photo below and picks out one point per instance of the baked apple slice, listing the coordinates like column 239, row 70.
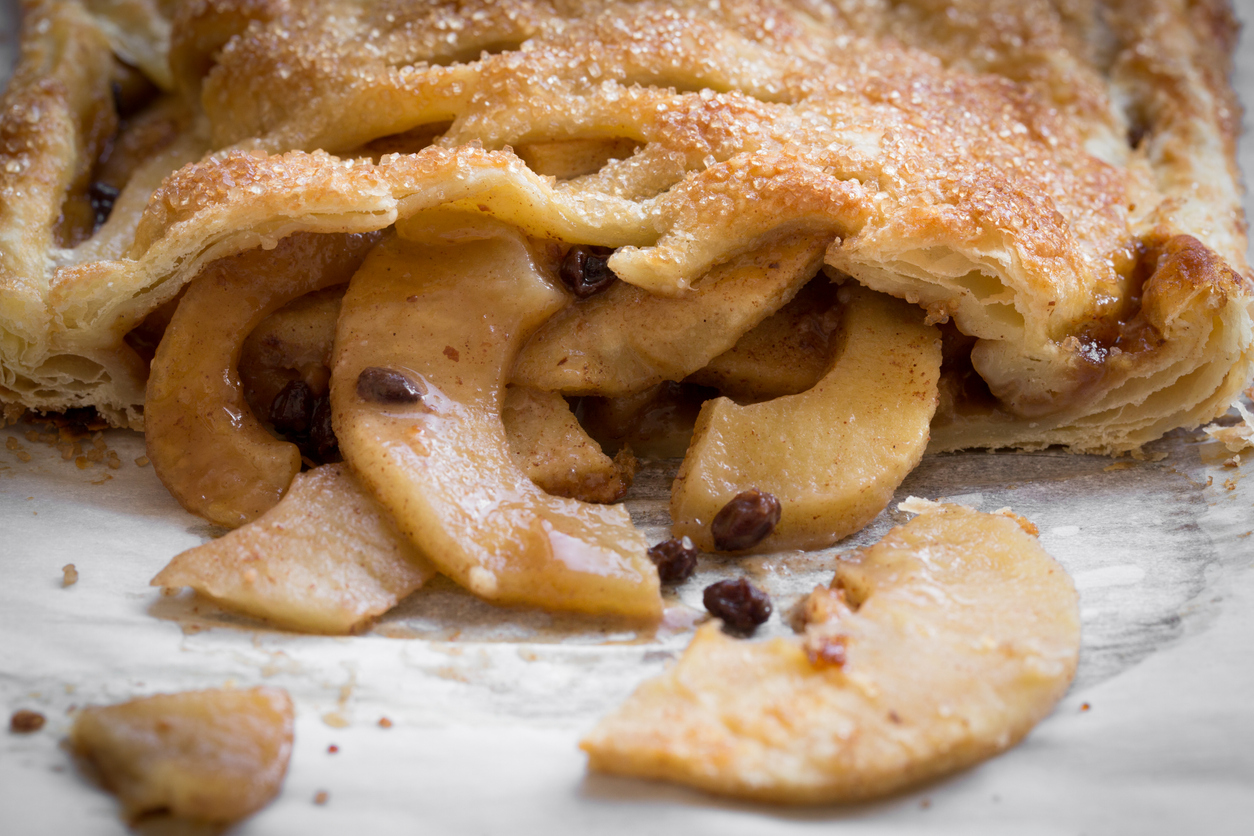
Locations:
column 556, row 453
column 205, row 444
column 624, row 340
column 786, row 354
column 216, row 755
column 938, row 647
column 428, row 330
column 326, row 559
column 833, row 455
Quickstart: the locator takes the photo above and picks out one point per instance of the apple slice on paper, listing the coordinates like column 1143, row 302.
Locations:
column 326, row 559
column 938, row 647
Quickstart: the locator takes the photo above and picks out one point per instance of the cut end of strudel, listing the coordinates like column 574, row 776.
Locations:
column 1057, row 188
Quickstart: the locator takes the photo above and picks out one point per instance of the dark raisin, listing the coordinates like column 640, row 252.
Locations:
column 323, row 445
column 740, row 604
column 102, row 197
column 675, row 559
column 383, row 385
column 292, row 410
column 25, row 722
column 745, row 521
column 586, row 271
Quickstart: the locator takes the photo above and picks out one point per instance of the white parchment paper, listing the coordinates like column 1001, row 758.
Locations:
column 486, row 705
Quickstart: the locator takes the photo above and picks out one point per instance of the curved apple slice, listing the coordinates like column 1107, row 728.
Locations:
column 326, row 559
column 429, row 327
column 938, row 647
column 832, row 455
column 786, row 354
column 625, row 340
column 555, row 452
column 206, row 445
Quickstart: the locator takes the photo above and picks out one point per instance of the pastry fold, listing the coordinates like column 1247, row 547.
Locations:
column 1060, row 189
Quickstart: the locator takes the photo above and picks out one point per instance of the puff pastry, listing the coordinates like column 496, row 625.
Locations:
column 1061, row 185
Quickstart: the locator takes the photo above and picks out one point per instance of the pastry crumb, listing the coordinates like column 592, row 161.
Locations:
column 917, row 505
column 24, row 721
column 1237, row 437
column 320, row 797
column 69, row 575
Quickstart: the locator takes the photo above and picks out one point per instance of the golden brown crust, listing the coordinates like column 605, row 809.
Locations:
column 1001, row 164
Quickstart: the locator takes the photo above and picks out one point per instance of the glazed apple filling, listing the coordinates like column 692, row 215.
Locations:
column 436, row 363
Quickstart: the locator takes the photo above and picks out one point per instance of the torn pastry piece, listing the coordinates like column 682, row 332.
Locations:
column 85, row 139
column 209, row 449
column 831, row 456
column 429, row 328
column 1236, row 437
column 938, row 647
column 215, row 756
column 1136, row 375
column 326, row 559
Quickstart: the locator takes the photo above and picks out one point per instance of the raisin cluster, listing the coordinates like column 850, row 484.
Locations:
column 304, row 418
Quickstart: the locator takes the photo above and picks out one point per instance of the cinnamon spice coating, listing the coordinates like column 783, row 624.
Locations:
column 1059, row 182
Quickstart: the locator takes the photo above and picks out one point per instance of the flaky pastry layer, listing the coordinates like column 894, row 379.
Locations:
column 1061, row 186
